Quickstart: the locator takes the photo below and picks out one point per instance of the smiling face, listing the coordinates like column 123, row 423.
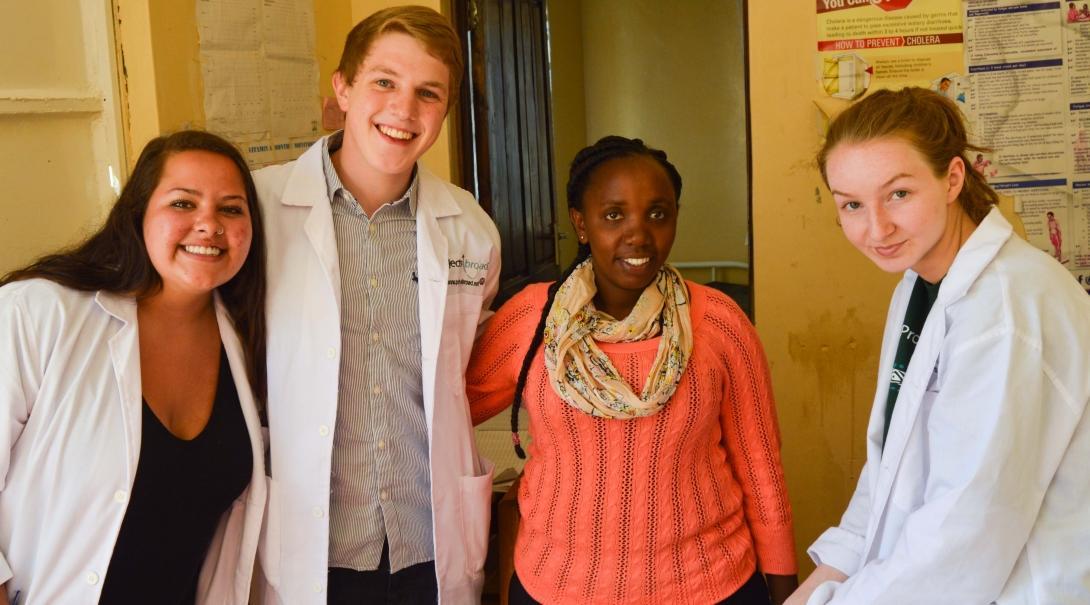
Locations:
column 394, row 109
column 629, row 218
column 894, row 208
column 197, row 227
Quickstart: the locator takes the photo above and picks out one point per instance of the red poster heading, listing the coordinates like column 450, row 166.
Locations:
column 828, row 6
column 889, row 42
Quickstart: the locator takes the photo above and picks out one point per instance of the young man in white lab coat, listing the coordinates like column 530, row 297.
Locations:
column 379, row 275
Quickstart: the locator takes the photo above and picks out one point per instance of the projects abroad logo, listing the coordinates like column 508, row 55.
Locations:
column 470, row 268
column 470, row 272
column 827, row 6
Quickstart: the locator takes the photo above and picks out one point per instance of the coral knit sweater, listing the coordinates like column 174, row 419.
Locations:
column 679, row 507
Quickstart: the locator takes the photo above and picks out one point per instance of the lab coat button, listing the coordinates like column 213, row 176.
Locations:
column 121, row 496
column 317, row 587
column 331, row 353
column 92, row 578
column 323, row 430
column 317, row 512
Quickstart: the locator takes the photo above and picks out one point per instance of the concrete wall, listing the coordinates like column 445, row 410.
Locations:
column 672, row 74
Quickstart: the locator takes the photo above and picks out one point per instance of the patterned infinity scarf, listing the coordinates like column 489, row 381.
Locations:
column 580, row 372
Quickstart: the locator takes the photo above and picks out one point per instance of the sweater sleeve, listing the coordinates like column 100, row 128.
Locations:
column 751, row 435
column 498, row 353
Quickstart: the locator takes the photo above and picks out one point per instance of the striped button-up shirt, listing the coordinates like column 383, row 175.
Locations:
column 380, row 484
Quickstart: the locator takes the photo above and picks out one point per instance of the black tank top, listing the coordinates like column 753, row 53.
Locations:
column 181, row 491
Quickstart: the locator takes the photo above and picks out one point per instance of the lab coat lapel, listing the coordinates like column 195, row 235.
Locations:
column 125, row 358
column 307, row 187
column 906, row 412
column 434, row 203
column 236, row 359
column 977, row 252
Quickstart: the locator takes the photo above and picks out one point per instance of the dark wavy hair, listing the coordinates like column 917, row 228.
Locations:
column 582, row 169
column 115, row 258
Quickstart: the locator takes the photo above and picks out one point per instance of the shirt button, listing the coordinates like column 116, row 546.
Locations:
column 92, row 578
column 374, row 336
column 331, row 353
column 317, row 512
column 121, row 496
column 383, row 495
column 381, row 445
column 323, row 430
column 373, row 282
column 376, row 389
column 371, row 228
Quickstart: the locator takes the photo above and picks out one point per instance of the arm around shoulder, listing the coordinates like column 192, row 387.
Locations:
column 499, row 352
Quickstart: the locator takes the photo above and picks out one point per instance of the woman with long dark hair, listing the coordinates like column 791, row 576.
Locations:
column 131, row 457
column 654, row 473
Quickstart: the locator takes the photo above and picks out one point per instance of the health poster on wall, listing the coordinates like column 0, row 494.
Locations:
column 260, row 75
column 1029, row 73
column 868, row 44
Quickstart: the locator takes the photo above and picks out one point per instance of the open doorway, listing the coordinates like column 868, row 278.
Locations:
column 505, row 128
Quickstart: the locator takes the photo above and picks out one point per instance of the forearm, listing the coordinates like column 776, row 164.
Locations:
column 823, row 573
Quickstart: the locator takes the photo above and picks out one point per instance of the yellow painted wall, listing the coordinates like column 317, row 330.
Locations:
column 159, row 48
column 568, row 110
column 55, row 148
column 671, row 73
column 820, row 305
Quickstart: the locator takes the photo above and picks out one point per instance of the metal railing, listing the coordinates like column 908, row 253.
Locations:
column 712, row 265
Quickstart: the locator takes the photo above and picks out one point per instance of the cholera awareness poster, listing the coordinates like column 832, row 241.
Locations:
column 1019, row 71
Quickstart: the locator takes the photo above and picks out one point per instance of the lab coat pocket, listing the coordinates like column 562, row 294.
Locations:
column 476, row 514
column 268, row 550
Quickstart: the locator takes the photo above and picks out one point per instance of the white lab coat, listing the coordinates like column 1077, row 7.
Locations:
column 70, row 426
column 304, row 362
column 982, row 494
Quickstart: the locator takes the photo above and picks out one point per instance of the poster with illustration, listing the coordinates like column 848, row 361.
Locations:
column 1020, row 72
column 864, row 44
column 1029, row 102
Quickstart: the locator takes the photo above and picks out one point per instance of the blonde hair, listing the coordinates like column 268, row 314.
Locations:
column 925, row 119
column 423, row 24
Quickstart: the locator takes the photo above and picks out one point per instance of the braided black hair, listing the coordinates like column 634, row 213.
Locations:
column 582, row 167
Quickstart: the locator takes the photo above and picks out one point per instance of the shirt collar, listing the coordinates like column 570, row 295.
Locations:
column 334, row 185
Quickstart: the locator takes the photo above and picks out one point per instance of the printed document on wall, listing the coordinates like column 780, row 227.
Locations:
column 260, row 75
column 888, row 44
column 1029, row 70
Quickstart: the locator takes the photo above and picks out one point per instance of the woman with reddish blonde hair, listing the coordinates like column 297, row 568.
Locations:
column 975, row 487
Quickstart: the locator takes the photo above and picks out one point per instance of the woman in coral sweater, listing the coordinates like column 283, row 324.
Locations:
column 654, row 474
